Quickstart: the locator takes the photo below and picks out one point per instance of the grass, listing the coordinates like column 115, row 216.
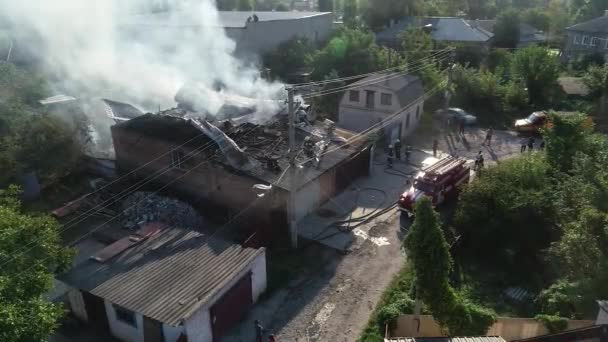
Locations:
column 398, row 289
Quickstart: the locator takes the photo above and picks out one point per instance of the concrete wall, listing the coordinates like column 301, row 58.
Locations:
column 263, row 36
column 218, row 190
column 171, row 334
column 575, row 47
column 506, row 327
column 355, row 116
column 124, row 331
column 198, row 326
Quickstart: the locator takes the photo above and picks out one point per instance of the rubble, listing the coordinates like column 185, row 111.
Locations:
column 141, row 207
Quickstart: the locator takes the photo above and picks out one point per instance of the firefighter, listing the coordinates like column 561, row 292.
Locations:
column 523, row 145
column 259, row 331
column 408, row 151
column 398, row 149
column 389, row 157
column 479, row 161
column 489, row 135
column 461, row 127
column 531, row 144
column 271, row 338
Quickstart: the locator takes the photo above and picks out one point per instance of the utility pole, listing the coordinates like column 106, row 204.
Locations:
column 291, row 210
column 448, row 94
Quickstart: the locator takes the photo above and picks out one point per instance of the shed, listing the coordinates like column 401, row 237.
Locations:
column 164, row 282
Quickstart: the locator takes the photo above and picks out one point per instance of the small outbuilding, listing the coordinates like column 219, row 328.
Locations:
column 167, row 284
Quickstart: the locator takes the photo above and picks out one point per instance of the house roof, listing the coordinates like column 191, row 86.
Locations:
column 231, row 19
column 407, row 87
column 444, row 29
column 167, row 276
column 246, row 146
column 527, row 33
column 446, row 339
column 573, row 86
column 596, row 25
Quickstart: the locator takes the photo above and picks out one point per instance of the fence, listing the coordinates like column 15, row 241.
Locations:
column 506, row 327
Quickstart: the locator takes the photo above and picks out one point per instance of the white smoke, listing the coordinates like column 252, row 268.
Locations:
column 114, row 49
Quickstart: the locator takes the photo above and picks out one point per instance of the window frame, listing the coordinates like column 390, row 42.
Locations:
column 388, row 96
column 577, row 39
column 354, row 92
column 588, row 40
column 596, row 40
column 125, row 315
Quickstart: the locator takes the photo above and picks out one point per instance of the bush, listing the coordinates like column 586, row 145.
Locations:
column 393, row 310
column 554, row 324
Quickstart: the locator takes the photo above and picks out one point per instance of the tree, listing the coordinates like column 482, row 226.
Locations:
column 432, row 263
column 351, row 12
column 27, row 273
column 566, row 137
column 244, row 5
column 326, row 5
column 226, row 5
column 290, row 56
column 506, row 30
column 538, row 18
column 379, row 13
column 282, row 7
column 538, row 68
column 415, row 44
column 596, row 79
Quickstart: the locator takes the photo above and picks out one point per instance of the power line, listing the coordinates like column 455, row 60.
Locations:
column 341, row 79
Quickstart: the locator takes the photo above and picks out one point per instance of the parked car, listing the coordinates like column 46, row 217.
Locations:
column 458, row 115
column 532, row 124
column 537, row 120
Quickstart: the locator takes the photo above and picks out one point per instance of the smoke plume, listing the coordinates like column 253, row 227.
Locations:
column 117, row 49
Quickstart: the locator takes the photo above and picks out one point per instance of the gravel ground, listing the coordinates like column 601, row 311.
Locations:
column 333, row 298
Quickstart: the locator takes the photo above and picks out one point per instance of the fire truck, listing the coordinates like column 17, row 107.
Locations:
column 437, row 181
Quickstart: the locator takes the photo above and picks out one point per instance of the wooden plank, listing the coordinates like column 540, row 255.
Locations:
column 114, row 249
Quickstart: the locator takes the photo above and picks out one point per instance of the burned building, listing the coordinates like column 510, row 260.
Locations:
column 236, row 171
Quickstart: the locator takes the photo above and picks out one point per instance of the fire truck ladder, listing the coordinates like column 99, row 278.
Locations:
column 443, row 165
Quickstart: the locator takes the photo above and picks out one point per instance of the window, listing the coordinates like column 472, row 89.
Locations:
column 417, row 112
column 386, row 99
column 353, row 96
column 125, row 316
column 585, row 40
column 594, row 41
column 369, row 98
column 577, row 39
column 177, row 159
column 407, row 121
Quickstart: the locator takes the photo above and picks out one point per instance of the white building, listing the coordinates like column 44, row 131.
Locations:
column 371, row 102
column 162, row 284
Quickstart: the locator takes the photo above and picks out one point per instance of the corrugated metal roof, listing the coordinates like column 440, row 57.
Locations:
column 56, row 99
column 167, row 276
column 443, row 29
column 446, row 339
column 596, row 25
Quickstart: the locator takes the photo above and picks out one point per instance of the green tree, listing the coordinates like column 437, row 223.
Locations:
column 566, row 137
column 430, row 255
column 226, row 5
column 244, row 5
column 596, row 79
column 538, row 69
column 27, row 273
column 289, row 56
column 351, row 12
column 326, row 5
column 379, row 13
column 415, row 44
column 282, row 7
column 537, row 18
column 506, row 30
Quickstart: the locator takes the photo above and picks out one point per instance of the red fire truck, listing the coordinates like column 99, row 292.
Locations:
column 437, row 181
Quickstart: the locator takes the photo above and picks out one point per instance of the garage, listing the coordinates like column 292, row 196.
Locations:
column 231, row 307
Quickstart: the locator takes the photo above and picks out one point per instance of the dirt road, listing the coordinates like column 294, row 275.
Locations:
column 333, row 299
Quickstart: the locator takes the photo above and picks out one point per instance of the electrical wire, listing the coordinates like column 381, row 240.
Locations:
column 365, row 83
column 341, row 79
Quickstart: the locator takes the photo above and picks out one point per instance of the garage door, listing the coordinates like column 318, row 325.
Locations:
column 231, row 307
